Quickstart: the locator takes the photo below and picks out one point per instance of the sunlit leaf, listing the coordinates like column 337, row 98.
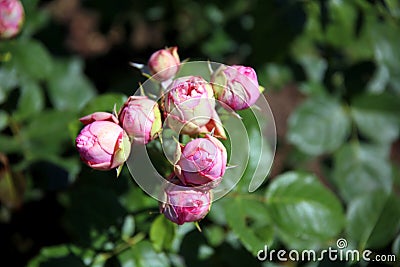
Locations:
column 68, row 88
column 62, row 255
column 360, row 169
column 373, row 219
column 162, row 233
column 3, row 120
column 128, row 227
column 30, row 58
column 249, row 220
column 31, row 101
column 318, row 126
column 305, row 212
column 143, row 255
column 104, row 102
column 368, row 122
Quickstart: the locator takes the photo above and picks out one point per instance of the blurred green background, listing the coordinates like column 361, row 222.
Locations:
column 332, row 73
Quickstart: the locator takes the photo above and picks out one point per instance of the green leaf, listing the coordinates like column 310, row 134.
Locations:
column 317, row 126
column 31, row 101
column 314, row 67
column 3, row 120
column 35, row 18
column 162, row 233
column 249, row 220
column 275, row 76
column 312, row 88
column 30, row 58
column 62, row 255
column 198, row 68
column 128, row 227
column 385, row 39
column 363, row 165
column 219, row 43
column 68, row 88
column 373, row 219
column 91, row 221
column 251, row 146
column 9, row 144
column 104, row 102
column 305, row 212
column 8, row 81
column 396, row 246
column 377, row 111
column 36, row 134
column 143, row 255
column 368, row 123
column 385, row 102
column 215, row 235
column 135, row 199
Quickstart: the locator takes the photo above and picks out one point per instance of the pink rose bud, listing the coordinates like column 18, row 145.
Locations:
column 236, row 86
column 11, row 18
column 99, row 116
column 201, row 162
column 103, row 145
column 141, row 119
column 185, row 204
column 189, row 104
column 164, row 63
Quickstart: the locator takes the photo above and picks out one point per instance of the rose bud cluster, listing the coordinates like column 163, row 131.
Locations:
column 188, row 106
column 11, row 18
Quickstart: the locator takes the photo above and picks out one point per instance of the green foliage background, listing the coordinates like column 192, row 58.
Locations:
column 332, row 73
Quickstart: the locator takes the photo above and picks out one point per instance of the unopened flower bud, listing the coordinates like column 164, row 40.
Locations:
column 185, row 204
column 236, row 86
column 164, row 63
column 11, row 18
column 98, row 116
column 201, row 162
column 140, row 117
column 103, row 145
column 189, row 104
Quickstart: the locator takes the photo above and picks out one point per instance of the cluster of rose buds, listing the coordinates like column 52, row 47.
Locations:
column 187, row 106
column 11, row 18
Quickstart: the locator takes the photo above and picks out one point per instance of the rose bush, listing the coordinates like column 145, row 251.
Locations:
column 71, row 59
